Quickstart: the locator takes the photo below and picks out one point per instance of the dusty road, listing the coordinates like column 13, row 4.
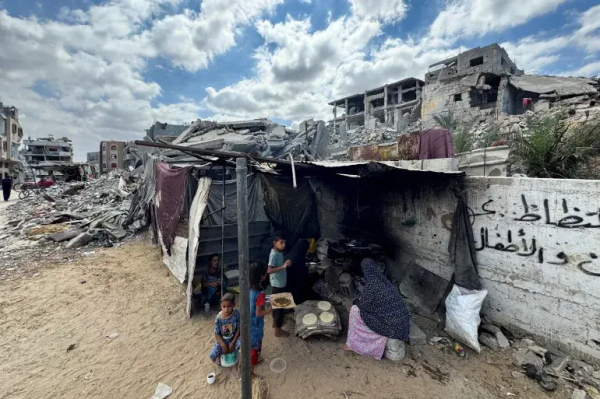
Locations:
column 127, row 290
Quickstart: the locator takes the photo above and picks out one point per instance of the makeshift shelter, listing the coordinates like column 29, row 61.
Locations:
column 335, row 201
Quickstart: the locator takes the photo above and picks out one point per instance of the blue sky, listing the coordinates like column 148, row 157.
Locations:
column 106, row 69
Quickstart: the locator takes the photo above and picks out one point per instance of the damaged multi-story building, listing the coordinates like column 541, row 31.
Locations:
column 479, row 86
column 473, row 84
column 396, row 104
column 484, row 83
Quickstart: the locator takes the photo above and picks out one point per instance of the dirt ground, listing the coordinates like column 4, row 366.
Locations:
column 127, row 290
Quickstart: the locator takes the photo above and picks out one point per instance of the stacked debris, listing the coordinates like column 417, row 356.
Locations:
column 78, row 214
column 580, row 109
column 551, row 367
column 258, row 136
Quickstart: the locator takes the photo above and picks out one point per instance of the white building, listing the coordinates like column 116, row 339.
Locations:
column 48, row 151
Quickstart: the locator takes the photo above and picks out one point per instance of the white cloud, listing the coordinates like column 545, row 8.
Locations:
column 191, row 40
column 295, row 79
column 307, row 69
column 534, row 54
column 462, row 18
column 93, row 63
column 588, row 70
column 588, row 35
column 386, row 11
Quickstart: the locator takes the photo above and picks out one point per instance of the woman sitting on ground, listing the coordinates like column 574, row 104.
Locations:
column 378, row 313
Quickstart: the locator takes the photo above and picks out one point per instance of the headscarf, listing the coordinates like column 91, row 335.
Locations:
column 381, row 306
column 298, row 278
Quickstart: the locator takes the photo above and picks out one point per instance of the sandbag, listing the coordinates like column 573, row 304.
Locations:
column 462, row 315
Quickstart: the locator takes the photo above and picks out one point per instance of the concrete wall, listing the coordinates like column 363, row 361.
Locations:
column 543, row 287
column 491, row 161
column 537, row 239
column 438, row 98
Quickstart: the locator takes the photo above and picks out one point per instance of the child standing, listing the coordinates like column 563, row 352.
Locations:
column 278, row 279
column 227, row 329
column 258, row 273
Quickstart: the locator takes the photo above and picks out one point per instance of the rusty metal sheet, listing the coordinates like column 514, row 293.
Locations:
column 408, row 146
column 374, row 152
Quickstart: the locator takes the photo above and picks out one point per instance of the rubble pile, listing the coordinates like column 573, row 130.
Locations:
column 71, row 215
column 258, row 136
column 362, row 135
column 580, row 109
column 551, row 367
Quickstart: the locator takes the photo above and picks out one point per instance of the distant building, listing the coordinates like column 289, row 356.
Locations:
column 11, row 134
column 93, row 158
column 48, row 151
column 111, row 156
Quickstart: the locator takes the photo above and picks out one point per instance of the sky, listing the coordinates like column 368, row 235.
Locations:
column 95, row 70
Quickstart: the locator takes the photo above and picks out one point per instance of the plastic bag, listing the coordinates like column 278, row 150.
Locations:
column 462, row 315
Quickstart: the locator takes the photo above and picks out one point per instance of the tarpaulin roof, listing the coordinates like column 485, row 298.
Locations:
column 562, row 86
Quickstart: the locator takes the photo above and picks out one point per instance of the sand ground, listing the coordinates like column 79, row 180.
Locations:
column 127, row 290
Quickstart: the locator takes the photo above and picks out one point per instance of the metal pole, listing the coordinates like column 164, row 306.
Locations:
column 241, row 173
column 223, row 236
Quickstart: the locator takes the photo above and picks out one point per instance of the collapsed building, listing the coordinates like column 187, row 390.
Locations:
column 478, row 90
column 483, row 84
column 393, row 104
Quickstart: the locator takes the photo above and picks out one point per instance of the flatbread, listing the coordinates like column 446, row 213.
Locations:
column 324, row 305
column 309, row 319
column 326, row 317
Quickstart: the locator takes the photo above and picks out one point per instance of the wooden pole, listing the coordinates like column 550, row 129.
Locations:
column 242, row 220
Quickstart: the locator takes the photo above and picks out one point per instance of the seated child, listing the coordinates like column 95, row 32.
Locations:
column 227, row 329
column 258, row 274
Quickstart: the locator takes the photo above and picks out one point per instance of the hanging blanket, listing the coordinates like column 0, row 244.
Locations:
column 170, row 190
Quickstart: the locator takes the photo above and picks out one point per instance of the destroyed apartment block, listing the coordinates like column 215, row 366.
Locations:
column 473, row 90
column 484, row 85
column 470, row 85
column 393, row 105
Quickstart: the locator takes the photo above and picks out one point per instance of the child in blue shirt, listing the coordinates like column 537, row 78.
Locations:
column 227, row 329
column 278, row 279
column 258, row 273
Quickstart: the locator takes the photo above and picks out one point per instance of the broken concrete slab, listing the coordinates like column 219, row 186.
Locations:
column 79, row 241
column 525, row 356
column 558, row 365
column 497, row 333
column 73, row 189
column 525, row 343
column 416, row 335
column 490, row 341
column 64, row 235
column 538, row 350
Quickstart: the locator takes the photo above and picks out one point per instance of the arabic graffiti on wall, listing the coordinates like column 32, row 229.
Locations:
column 515, row 240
